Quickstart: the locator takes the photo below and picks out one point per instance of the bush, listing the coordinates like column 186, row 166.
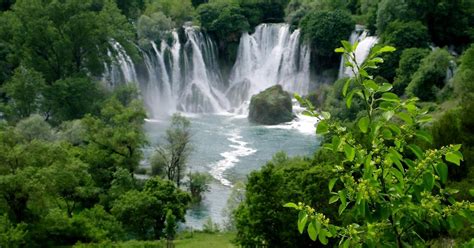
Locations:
column 226, row 20
column 262, row 219
column 409, row 63
column 324, row 29
column 430, row 76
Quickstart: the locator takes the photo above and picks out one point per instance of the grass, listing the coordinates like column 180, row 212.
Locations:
column 199, row 240
column 184, row 240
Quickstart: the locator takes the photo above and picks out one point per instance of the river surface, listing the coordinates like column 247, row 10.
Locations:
column 229, row 147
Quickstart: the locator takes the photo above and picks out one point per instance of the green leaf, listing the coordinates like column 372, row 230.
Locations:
column 442, row 170
column 471, row 192
column 377, row 60
column 346, row 86
column 349, row 99
column 342, row 197
column 302, row 219
column 349, row 151
column 424, row 136
column 428, row 181
column 339, row 50
column 364, row 124
column 416, row 150
column 290, row 205
column 390, row 97
column 387, row 115
column 331, row 184
column 326, row 115
column 454, row 157
column 346, row 243
column 322, row 127
column 364, row 73
column 405, row 117
column 313, row 235
column 386, row 49
column 385, row 87
column 370, row 84
column 347, row 45
column 333, row 199
column 322, row 237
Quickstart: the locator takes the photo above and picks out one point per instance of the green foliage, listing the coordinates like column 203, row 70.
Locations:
column 406, row 34
column 62, row 39
column 261, row 218
column 179, row 11
column 114, row 139
column 197, row 184
column 153, row 27
column 430, row 76
column 410, row 61
column 24, row 92
column 210, row 227
column 71, row 98
column 11, row 235
column 391, row 10
column 402, row 35
column 323, row 29
column 96, row 225
column 169, row 160
column 131, row 8
column 225, row 19
column 394, row 189
column 143, row 213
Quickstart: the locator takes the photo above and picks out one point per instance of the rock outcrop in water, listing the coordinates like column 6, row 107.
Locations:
column 271, row 106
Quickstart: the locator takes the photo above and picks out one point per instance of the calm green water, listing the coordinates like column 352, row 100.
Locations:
column 229, row 148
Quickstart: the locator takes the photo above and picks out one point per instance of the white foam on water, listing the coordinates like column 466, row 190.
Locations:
column 230, row 158
column 302, row 123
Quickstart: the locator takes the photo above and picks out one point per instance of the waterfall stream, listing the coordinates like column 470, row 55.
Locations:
column 185, row 76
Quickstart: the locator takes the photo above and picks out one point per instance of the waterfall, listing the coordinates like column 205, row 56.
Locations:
column 185, row 75
column 272, row 55
column 122, row 68
column 362, row 51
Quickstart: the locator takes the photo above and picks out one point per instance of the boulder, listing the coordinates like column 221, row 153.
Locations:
column 271, row 106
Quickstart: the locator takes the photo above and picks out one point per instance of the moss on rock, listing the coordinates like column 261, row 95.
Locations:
column 271, row 106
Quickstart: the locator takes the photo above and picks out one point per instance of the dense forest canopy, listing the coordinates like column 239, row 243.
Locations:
column 71, row 146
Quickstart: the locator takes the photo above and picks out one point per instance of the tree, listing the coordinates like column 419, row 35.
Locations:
column 170, row 228
column 114, row 139
column 71, row 98
column 24, row 92
column 225, row 19
column 179, row 11
column 143, row 213
column 261, row 219
column 197, row 184
column 323, row 29
column 430, row 76
column 61, row 39
column 394, row 189
column 402, row 35
column 391, row 10
column 11, row 235
column 153, row 27
column 169, row 160
column 410, row 61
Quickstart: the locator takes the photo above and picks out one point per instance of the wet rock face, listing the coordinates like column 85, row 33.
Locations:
column 271, row 106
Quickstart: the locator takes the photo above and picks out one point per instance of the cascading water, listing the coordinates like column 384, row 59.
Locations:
column 362, row 51
column 122, row 69
column 186, row 76
column 272, row 55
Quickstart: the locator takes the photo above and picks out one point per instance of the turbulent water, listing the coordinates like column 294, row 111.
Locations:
column 182, row 74
column 186, row 76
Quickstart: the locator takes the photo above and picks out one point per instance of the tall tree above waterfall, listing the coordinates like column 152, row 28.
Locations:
column 62, row 38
